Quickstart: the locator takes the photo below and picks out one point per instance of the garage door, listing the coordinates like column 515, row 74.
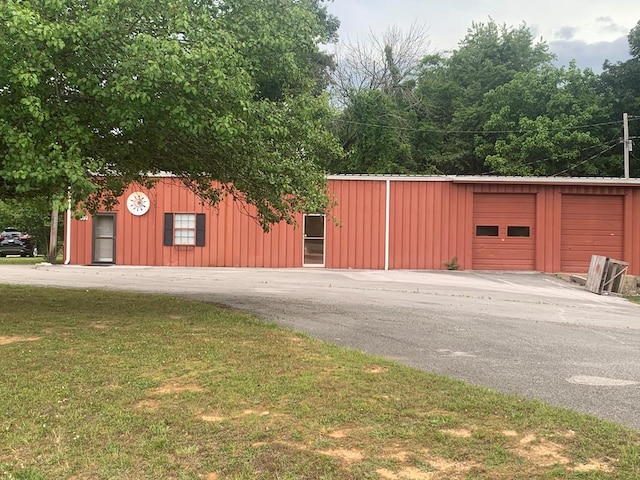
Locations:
column 504, row 231
column 591, row 225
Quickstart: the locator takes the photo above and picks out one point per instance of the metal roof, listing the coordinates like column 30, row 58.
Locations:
column 602, row 181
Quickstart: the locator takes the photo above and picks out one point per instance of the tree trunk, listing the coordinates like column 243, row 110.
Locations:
column 53, row 237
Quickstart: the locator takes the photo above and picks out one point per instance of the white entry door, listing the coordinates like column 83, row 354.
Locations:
column 104, row 238
column 314, row 228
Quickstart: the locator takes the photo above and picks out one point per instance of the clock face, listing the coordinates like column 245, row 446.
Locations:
column 138, row 203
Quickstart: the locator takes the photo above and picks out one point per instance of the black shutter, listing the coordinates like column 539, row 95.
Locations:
column 200, row 226
column 167, row 240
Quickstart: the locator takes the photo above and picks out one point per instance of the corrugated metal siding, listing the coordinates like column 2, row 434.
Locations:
column 81, row 238
column 431, row 221
column 427, row 225
column 232, row 237
column 591, row 225
column 504, row 252
column 355, row 235
column 632, row 232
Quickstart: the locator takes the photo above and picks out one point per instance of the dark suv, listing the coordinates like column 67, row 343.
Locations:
column 14, row 242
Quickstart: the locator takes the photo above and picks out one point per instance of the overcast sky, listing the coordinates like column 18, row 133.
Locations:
column 588, row 30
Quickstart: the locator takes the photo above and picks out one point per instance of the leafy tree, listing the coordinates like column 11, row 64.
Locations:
column 619, row 88
column 452, row 89
column 634, row 41
column 553, row 117
column 376, row 135
column 620, row 80
column 374, row 84
column 30, row 215
column 95, row 94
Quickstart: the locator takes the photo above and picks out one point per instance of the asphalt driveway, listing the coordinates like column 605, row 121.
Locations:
column 521, row 333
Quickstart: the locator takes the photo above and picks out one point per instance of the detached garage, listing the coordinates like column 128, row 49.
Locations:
column 379, row 222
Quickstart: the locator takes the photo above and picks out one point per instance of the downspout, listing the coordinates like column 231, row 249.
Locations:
column 386, row 226
column 67, row 243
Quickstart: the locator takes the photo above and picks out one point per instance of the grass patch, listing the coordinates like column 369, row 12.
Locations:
column 108, row 385
column 13, row 260
column 634, row 298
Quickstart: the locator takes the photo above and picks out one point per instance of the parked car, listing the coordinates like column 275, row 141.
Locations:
column 15, row 242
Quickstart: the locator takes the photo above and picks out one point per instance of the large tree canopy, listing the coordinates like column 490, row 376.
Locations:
column 95, row 94
column 495, row 105
column 552, row 122
column 453, row 88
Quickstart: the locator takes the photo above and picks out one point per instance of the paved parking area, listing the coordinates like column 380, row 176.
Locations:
column 523, row 333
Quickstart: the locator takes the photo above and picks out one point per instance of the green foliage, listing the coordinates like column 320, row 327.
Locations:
column 453, row 264
column 208, row 90
column 619, row 87
column 32, row 215
column 495, row 105
column 634, row 41
column 377, row 138
column 453, row 88
column 544, row 111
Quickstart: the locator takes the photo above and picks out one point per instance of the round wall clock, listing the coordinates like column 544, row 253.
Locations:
column 138, row 203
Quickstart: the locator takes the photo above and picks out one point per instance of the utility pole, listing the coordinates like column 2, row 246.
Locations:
column 626, row 141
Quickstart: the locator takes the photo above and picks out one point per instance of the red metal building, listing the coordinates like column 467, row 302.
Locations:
column 380, row 222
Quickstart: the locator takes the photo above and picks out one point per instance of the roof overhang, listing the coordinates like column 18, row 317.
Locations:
column 482, row 179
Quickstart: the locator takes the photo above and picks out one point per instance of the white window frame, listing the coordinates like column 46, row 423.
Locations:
column 323, row 238
column 179, row 239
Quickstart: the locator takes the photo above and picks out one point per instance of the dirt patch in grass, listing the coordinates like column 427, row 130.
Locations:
column 8, row 340
column 433, row 467
column 409, row 473
column 594, row 466
column 339, row 433
column 173, row 388
column 349, row 456
column 458, row 432
column 256, row 413
column 541, row 451
column 212, row 418
column 149, row 405
column 375, row 369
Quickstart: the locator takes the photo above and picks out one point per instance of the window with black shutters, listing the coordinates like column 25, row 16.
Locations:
column 182, row 229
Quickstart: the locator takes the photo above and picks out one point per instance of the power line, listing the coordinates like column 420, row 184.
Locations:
column 613, row 142
column 477, row 132
column 573, row 167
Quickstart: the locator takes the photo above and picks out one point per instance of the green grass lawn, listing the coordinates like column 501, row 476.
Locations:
column 12, row 260
column 105, row 385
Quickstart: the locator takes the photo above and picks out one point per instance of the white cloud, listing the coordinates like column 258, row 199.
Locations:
column 590, row 55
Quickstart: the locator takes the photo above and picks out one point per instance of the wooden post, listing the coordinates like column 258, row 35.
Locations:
column 53, row 237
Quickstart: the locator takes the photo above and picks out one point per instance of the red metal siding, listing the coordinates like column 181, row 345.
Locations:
column 431, row 221
column 632, row 232
column 232, row 238
column 427, row 225
column 504, row 252
column 355, row 235
column 81, row 238
column 591, row 225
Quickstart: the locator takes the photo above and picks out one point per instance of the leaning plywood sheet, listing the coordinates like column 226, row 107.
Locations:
column 597, row 270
